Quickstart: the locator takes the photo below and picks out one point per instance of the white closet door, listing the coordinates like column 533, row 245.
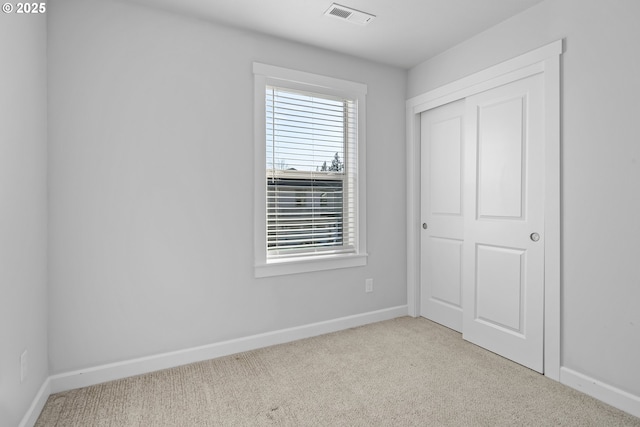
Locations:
column 503, row 250
column 442, row 149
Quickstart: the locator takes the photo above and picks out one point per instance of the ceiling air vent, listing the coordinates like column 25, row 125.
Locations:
column 348, row 14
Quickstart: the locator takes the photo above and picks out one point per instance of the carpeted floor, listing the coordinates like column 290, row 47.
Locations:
column 402, row 372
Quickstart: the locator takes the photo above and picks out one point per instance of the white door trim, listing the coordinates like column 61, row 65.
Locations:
column 545, row 60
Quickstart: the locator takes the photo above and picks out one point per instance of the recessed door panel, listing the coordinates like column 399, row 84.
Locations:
column 500, row 272
column 445, row 165
column 445, row 265
column 501, row 139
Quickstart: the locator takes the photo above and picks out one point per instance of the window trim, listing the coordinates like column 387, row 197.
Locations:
column 265, row 75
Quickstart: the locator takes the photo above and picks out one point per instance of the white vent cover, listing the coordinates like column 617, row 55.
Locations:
column 348, row 14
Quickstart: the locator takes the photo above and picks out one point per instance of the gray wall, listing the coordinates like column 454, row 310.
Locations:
column 23, row 211
column 600, row 168
column 151, row 187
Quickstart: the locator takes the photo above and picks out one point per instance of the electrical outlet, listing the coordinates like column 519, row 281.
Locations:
column 24, row 367
column 368, row 285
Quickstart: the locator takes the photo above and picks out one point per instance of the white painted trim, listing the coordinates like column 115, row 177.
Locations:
column 552, row 252
column 309, row 79
column 413, row 210
column 128, row 368
column 535, row 56
column 37, row 405
column 309, row 264
column 543, row 60
column 607, row 393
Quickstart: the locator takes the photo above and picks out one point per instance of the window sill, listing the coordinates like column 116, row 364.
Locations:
column 283, row 267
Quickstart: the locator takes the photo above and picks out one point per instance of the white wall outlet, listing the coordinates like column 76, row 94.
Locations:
column 368, row 285
column 24, row 367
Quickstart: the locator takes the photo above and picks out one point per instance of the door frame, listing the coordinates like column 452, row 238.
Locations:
column 546, row 61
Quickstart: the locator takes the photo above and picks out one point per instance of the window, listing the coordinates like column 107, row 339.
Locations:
column 309, row 172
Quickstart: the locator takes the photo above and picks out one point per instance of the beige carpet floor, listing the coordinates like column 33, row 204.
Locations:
column 402, row 372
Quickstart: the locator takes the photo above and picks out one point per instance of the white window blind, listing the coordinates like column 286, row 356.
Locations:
column 311, row 171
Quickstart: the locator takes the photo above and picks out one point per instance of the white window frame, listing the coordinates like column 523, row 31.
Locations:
column 265, row 75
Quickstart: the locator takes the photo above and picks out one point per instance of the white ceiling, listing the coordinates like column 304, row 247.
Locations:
column 404, row 33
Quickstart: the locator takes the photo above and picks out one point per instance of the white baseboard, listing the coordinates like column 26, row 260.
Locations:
column 143, row 365
column 608, row 394
column 38, row 403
